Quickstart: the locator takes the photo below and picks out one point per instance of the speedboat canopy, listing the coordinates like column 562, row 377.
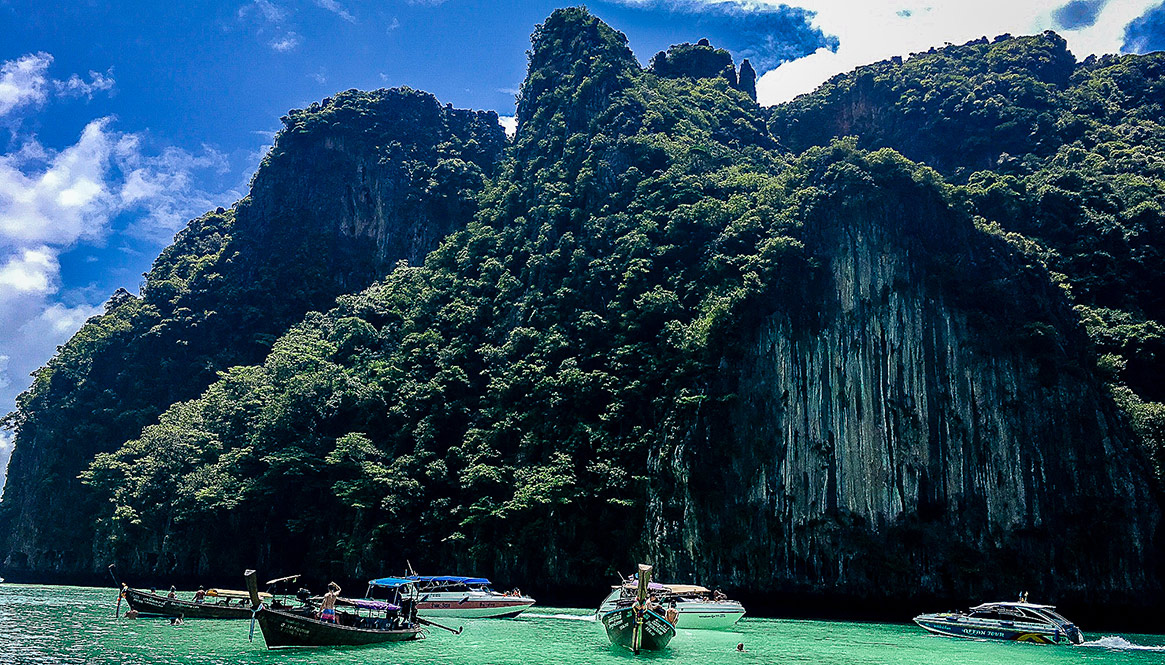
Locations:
column 391, row 582
column 450, row 579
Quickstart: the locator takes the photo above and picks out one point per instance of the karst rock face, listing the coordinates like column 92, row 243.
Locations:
column 897, row 447
column 351, row 187
column 662, row 324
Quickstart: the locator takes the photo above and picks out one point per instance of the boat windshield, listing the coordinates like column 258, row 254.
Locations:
column 996, row 615
column 1055, row 616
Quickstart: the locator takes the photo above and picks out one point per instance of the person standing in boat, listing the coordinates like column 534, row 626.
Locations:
column 173, row 592
column 328, row 603
column 673, row 614
column 200, row 595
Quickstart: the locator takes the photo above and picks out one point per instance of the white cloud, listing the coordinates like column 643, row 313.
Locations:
column 285, row 42
column 52, row 200
column 337, row 9
column 5, row 453
column 269, row 11
column 75, row 86
column 269, row 18
column 27, row 347
column 164, row 185
column 66, row 199
column 509, row 123
column 874, row 30
column 29, row 271
column 24, row 81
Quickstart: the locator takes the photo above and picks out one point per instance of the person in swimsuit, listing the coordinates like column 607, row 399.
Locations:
column 200, row 595
column 328, row 603
column 672, row 614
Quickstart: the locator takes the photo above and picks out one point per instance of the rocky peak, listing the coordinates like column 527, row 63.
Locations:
column 573, row 50
column 699, row 60
column 746, row 80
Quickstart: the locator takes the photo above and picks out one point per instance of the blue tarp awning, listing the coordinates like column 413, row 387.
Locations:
column 391, row 582
column 451, row 579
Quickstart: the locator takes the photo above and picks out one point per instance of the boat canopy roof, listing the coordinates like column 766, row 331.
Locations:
column 678, row 589
column 391, row 582
column 368, row 604
column 686, row 588
column 449, row 579
column 1026, row 606
column 233, row 594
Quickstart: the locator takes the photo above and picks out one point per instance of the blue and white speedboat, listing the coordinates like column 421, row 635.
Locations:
column 1016, row 622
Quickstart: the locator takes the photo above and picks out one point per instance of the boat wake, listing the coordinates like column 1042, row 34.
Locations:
column 1118, row 643
column 568, row 617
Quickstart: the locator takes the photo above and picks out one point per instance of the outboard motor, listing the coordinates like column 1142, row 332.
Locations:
column 1073, row 633
column 303, row 595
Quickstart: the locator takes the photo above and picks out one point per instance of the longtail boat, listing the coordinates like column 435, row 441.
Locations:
column 359, row 621
column 633, row 624
column 698, row 608
column 218, row 604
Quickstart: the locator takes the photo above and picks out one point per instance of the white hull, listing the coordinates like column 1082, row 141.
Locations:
column 472, row 605
column 695, row 615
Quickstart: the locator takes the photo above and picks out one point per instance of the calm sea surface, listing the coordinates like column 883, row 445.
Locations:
column 52, row 624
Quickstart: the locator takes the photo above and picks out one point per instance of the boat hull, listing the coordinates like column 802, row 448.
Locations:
column 287, row 629
column 941, row 625
column 708, row 618
column 637, row 631
column 157, row 605
column 694, row 615
column 467, row 606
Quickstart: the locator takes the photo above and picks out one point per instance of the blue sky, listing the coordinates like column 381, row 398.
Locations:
column 120, row 121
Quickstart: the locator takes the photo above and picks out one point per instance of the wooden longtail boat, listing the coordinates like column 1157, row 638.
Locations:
column 636, row 627
column 382, row 622
column 219, row 604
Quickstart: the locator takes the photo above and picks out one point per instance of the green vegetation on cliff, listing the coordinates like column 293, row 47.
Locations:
column 350, row 187
column 502, row 397
column 573, row 364
column 1070, row 156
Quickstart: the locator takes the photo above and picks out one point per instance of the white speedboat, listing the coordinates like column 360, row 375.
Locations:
column 466, row 597
column 699, row 608
column 1017, row 622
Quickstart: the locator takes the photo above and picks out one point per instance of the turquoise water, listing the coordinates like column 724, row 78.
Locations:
column 47, row 624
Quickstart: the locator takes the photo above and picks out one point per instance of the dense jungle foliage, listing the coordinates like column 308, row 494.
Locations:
column 502, row 398
column 1067, row 159
column 234, row 280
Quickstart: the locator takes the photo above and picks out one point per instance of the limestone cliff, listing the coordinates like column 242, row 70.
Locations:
column 933, row 432
column 351, row 187
column 832, row 375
